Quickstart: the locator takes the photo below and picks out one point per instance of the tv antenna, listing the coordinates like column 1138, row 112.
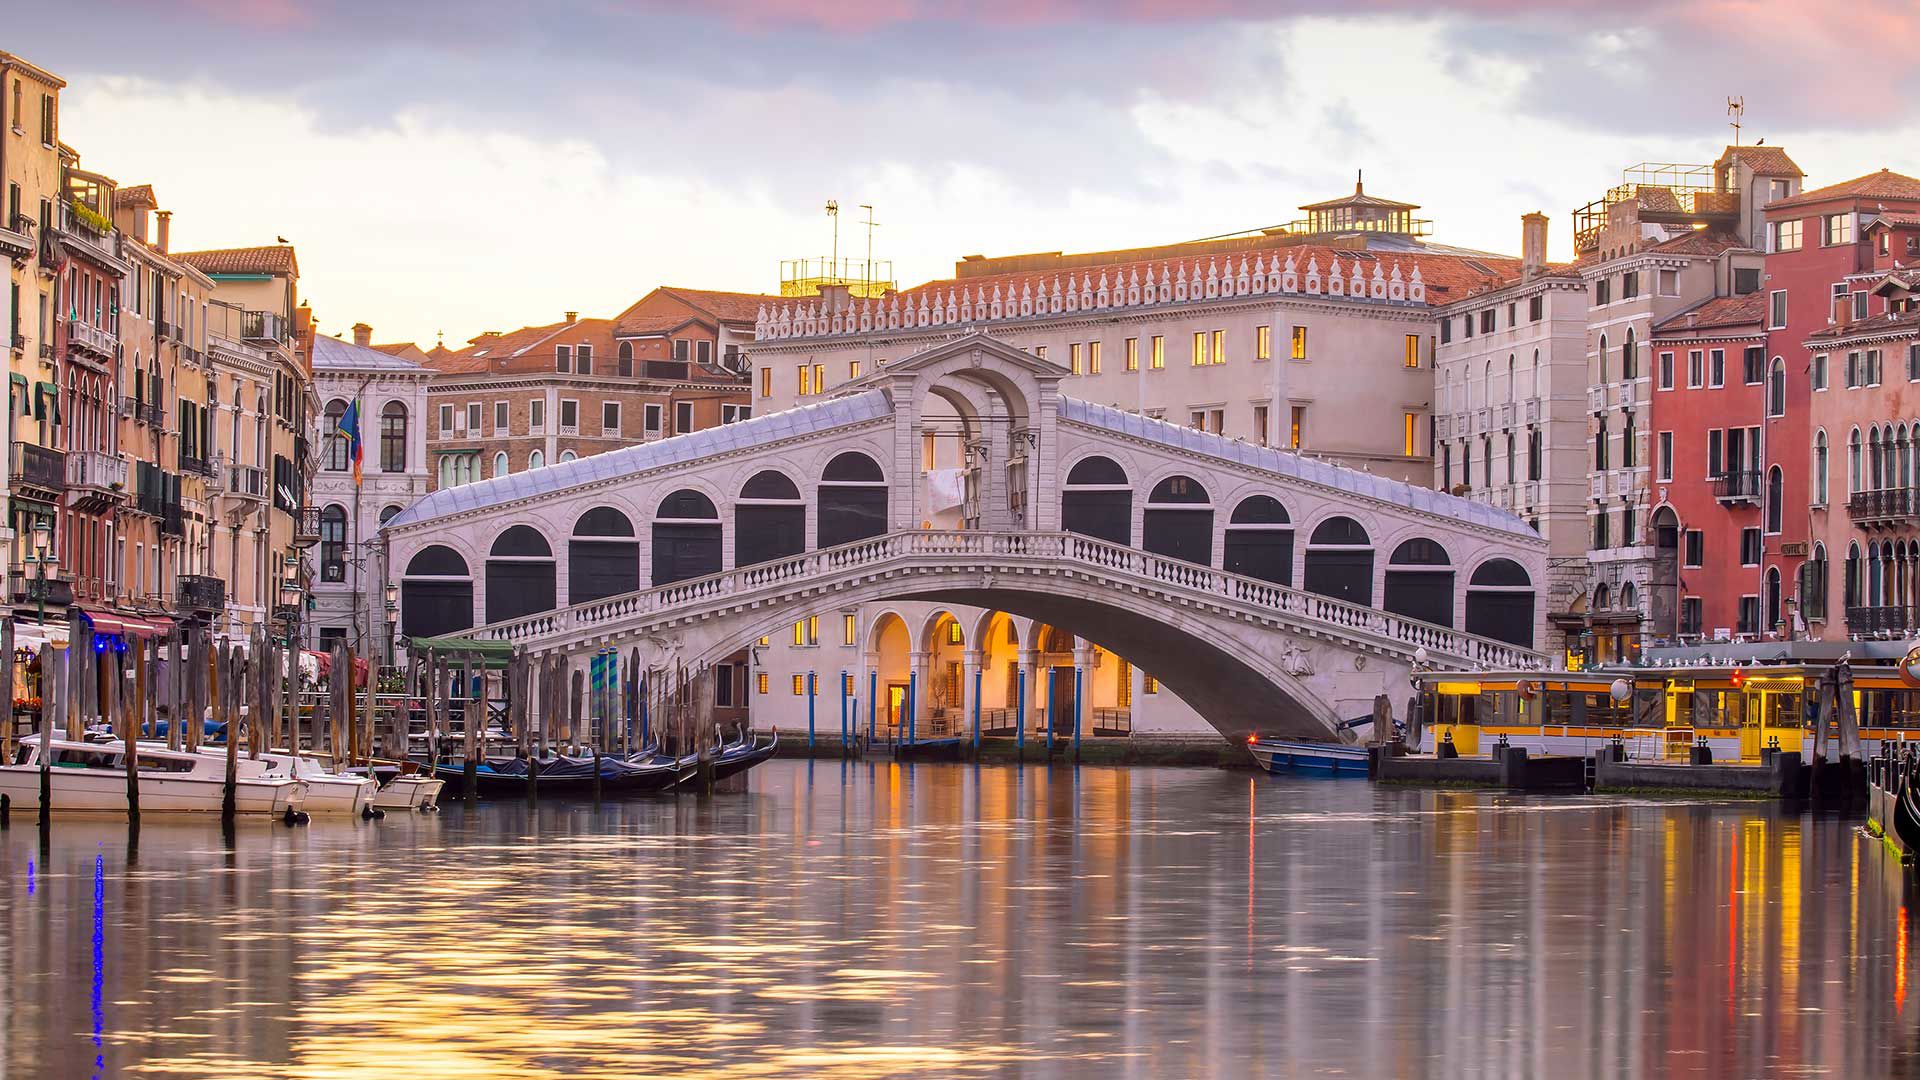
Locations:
column 1736, row 108
column 833, row 211
column 871, row 225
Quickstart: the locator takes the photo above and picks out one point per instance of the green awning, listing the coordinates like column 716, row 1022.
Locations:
column 18, row 391
column 492, row 654
column 43, row 393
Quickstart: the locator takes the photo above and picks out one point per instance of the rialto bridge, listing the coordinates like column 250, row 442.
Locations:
column 1270, row 591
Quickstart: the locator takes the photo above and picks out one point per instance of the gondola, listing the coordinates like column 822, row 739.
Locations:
column 1906, row 814
column 500, row 778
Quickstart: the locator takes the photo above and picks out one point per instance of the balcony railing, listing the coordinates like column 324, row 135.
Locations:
column 198, row 466
column 1890, row 619
column 262, row 326
column 247, row 482
column 1884, row 506
column 39, row 467
column 82, row 233
column 16, row 238
column 306, row 527
column 196, row 593
column 1737, row 486
column 96, row 480
column 103, row 343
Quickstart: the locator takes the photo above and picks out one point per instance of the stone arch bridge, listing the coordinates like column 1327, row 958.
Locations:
column 1272, row 592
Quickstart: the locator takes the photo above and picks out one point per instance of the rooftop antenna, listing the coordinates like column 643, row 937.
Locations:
column 871, row 225
column 833, row 211
column 1736, row 108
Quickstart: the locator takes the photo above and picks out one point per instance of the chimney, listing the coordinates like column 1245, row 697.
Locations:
column 163, row 222
column 572, row 317
column 362, row 334
column 1533, row 243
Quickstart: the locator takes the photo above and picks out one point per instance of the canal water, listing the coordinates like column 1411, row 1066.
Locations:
column 868, row 920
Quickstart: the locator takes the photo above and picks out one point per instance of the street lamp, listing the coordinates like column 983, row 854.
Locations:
column 393, row 619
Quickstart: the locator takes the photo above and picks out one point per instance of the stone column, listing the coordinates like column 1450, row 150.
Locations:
column 1083, row 660
column 972, row 661
column 918, row 664
column 1030, row 675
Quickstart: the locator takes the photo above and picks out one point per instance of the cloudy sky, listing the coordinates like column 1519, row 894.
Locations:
column 449, row 166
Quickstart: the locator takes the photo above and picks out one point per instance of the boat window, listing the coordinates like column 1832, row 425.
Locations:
column 150, row 763
column 74, row 758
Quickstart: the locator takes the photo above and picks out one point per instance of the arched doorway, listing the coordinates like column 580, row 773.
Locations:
column 769, row 520
column 1500, row 602
column 943, row 712
column 436, row 593
column 520, row 574
column 999, row 644
column 1179, row 521
column 852, row 500
column 1098, row 501
column 603, row 558
column 889, row 649
column 686, row 537
column 1339, row 561
column 1663, row 584
column 1260, row 540
column 1420, row 582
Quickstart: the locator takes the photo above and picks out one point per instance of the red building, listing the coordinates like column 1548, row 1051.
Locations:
column 1828, row 317
column 1723, row 529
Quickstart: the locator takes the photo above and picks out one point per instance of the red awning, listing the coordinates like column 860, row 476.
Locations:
column 156, row 626
column 104, row 622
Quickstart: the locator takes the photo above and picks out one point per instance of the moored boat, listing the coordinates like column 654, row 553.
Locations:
column 92, row 778
column 1301, row 755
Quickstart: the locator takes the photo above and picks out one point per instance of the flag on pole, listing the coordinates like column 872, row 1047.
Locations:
column 350, row 430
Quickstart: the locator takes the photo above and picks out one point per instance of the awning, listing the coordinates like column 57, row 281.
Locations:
column 104, row 622
column 109, row 622
column 491, row 653
column 17, row 387
column 44, row 392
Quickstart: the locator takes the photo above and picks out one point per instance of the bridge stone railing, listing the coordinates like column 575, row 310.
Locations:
column 984, row 550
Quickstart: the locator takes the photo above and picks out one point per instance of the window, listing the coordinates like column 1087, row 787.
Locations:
column 682, row 417
column 1219, row 346
column 1601, row 539
column 563, row 358
column 1073, row 358
column 537, row 415
column 1820, row 467
column 569, row 415
column 583, row 359
column 1149, row 684
column 1776, row 499
column 1690, row 615
column 1296, row 434
column 393, row 437
column 760, row 682
column 610, row 418
column 1859, row 305
column 1716, row 368
column 1263, row 343
column 536, row 460
column 1600, row 446
column 1200, row 357
column 1819, row 371
column 1446, row 331
column 1696, row 369
column 1746, row 279
column 1665, row 453
column 1753, row 361
column 731, row 413
column 475, row 412
column 1873, row 367
column 1715, row 466
column 1260, row 425
column 1694, row 549
column 803, row 380
column 1666, row 371
column 849, row 630
column 1299, row 343
column 1629, row 284
column 703, row 352
column 1133, row 354
column 1749, row 615
column 1836, row 229
column 1536, row 308
column 1750, row 546
column 1157, row 352
column 1466, row 325
column 1777, row 309
column 651, row 415
column 626, row 358
column 766, row 390
column 1777, row 388
column 680, row 351
column 1093, row 358
column 499, row 418
column 1853, row 370
column 1785, row 235
column 1602, row 292
column 807, row 631
column 820, row 378
column 1408, row 425
column 338, row 458
column 1913, row 362
column 799, row 685
column 1040, row 351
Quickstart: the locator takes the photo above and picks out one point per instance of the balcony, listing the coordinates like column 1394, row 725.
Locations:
column 104, row 345
column 162, row 328
column 1440, row 427
column 1884, row 507
column 144, row 412
column 95, row 481
column 86, row 233
column 1597, row 399
column 16, row 238
column 39, row 470
column 306, row 527
column 23, row 582
column 1876, row 621
column 1737, row 486
column 247, row 483
column 198, row 466
column 1507, row 413
column 1626, row 393
column 1533, row 410
column 1483, row 421
column 262, row 326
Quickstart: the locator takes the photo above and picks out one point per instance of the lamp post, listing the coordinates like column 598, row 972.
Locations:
column 43, row 554
column 393, row 621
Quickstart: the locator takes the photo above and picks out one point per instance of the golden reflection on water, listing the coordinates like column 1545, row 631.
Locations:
column 883, row 921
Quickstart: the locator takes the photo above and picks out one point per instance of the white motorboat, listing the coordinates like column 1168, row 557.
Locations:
column 409, row 792
column 92, row 778
column 327, row 792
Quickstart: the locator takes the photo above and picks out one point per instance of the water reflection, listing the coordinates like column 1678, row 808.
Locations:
column 865, row 920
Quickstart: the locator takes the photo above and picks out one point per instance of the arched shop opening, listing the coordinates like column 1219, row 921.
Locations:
column 944, row 710
column 1260, row 540
column 520, row 574
column 1179, row 521
column 436, row 593
column 769, row 520
column 1420, row 582
column 1097, row 501
column 603, row 558
column 852, row 500
column 890, row 648
column 1500, row 602
column 686, row 538
column 1339, row 561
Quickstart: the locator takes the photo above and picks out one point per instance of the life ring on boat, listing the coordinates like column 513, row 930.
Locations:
column 1526, row 689
column 1910, row 667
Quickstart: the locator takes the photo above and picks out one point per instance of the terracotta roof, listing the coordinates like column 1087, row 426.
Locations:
column 1885, row 184
column 668, row 307
column 136, row 195
column 1721, row 311
column 1765, row 160
column 406, row 350
column 272, row 259
column 1699, row 242
column 1876, row 324
column 1897, row 220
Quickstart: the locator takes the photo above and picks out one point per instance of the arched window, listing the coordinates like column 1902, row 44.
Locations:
column 686, row 537
column 1852, row 584
column 1603, row 358
column 536, row 460
column 1179, row 521
column 626, row 358
column 338, row 459
column 603, row 557
column 1602, row 597
column 500, row 468
column 393, row 437
column 389, row 512
column 1339, row 561
column 1776, row 498
column 1853, row 461
column 1820, row 467
column 566, row 456
column 1777, row 387
column 436, row 593
column 1772, row 599
column 852, row 500
column 333, row 543
column 1260, row 540
column 1510, row 374
column 520, row 574
column 1420, row 582
column 769, row 520
column 1629, row 597
column 1629, row 357
column 1097, row 501
column 1500, row 602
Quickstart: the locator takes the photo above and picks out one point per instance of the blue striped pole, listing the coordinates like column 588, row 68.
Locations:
column 1078, row 712
column 646, row 714
column 1020, row 717
column 810, row 697
column 913, row 690
column 1053, row 706
column 873, row 698
column 976, row 712
column 846, row 686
